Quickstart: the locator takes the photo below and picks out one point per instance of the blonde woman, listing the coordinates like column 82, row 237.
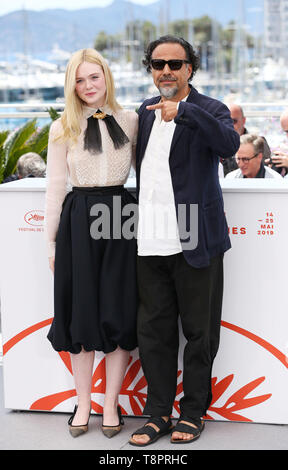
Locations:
column 90, row 148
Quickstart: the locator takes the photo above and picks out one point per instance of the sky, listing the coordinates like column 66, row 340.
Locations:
column 12, row 5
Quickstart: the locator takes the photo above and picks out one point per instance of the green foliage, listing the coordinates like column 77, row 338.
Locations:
column 53, row 113
column 101, row 41
column 3, row 137
column 16, row 145
column 39, row 141
column 28, row 138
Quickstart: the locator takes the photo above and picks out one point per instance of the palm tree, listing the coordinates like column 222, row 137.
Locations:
column 27, row 138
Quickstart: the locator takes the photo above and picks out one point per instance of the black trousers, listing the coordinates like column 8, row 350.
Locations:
column 168, row 287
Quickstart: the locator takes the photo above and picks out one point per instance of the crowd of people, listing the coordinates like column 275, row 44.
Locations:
column 254, row 158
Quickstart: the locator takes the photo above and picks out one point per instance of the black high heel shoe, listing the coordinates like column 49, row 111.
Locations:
column 110, row 431
column 76, row 431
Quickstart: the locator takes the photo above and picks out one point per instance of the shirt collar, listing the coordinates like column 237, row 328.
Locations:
column 261, row 172
column 88, row 112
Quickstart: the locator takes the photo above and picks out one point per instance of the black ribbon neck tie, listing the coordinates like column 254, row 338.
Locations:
column 93, row 139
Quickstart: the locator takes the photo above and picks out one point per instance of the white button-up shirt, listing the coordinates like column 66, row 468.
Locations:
column 158, row 229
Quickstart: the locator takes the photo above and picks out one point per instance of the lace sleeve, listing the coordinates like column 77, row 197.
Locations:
column 56, row 185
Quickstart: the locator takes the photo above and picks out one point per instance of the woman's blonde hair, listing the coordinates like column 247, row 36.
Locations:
column 73, row 104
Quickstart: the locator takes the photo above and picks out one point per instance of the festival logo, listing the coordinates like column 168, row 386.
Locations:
column 35, row 218
column 135, row 386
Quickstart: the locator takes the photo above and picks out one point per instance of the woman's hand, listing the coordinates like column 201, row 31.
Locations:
column 52, row 263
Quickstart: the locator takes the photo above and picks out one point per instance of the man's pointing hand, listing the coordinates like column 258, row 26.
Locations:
column 169, row 109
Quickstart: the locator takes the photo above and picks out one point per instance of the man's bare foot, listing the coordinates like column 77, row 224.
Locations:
column 182, row 436
column 153, row 431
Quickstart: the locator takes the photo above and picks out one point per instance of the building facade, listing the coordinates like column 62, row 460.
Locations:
column 276, row 28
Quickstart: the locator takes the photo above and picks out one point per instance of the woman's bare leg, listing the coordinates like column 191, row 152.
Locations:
column 82, row 366
column 116, row 365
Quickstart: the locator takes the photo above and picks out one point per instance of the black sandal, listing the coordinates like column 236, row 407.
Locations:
column 165, row 427
column 182, row 427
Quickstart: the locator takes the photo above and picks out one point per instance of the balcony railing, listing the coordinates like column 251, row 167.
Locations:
column 262, row 118
column 39, row 110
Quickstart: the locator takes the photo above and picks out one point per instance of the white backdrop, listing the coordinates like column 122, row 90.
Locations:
column 250, row 374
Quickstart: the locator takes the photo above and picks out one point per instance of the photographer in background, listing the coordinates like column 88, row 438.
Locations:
column 279, row 157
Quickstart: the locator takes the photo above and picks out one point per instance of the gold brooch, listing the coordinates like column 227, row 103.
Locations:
column 99, row 115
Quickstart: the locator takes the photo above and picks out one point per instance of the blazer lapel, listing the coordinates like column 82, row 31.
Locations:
column 146, row 130
column 176, row 136
column 179, row 129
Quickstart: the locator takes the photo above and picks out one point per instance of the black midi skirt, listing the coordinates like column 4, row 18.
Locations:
column 95, row 285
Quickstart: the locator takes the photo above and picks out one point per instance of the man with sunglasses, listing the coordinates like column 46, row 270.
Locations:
column 180, row 264
column 249, row 159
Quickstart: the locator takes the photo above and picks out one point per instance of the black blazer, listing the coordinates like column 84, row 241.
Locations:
column 204, row 131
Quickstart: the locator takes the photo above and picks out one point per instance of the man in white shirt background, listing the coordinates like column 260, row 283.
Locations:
column 250, row 160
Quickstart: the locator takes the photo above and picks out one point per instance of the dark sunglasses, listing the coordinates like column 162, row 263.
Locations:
column 174, row 64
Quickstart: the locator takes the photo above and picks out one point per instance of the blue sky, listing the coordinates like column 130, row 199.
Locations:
column 12, row 5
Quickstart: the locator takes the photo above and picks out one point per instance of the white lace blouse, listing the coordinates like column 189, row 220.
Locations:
column 71, row 165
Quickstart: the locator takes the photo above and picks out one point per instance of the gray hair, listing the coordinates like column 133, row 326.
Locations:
column 256, row 140
column 31, row 164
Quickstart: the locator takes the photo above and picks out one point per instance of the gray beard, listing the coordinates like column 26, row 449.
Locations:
column 168, row 93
